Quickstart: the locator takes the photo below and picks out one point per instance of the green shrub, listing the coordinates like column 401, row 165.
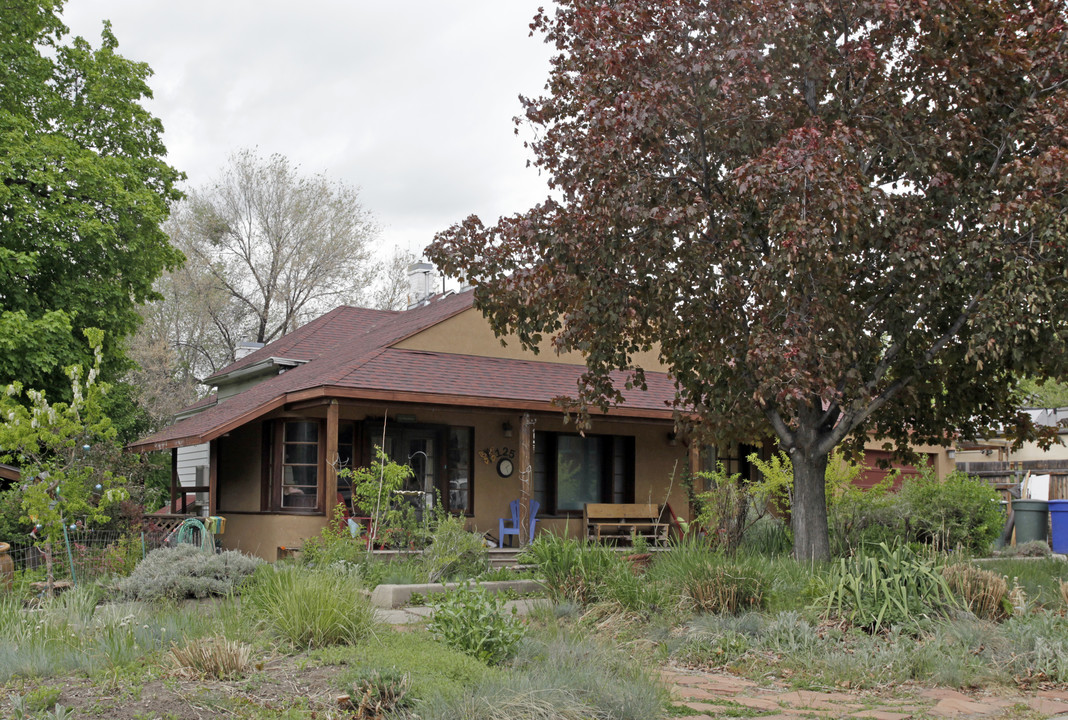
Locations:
column 454, row 553
column 880, row 589
column 473, row 621
column 309, row 608
column 186, row 571
column 858, row 517
column 957, row 512
column 722, row 510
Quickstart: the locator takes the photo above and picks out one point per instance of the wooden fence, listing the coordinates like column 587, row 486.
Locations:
column 1007, row 475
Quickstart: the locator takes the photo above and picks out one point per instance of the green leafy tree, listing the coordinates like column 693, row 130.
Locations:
column 830, row 219
column 63, row 451
column 83, row 190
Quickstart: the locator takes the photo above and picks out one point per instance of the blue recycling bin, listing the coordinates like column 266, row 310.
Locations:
column 1058, row 520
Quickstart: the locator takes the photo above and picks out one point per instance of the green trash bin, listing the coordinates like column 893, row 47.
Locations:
column 1032, row 520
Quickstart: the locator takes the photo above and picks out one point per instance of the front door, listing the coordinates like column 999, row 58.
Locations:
column 419, row 449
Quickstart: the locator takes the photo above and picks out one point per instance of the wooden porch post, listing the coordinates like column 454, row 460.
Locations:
column 174, row 480
column 526, row 475
column 213, row 478
column 330, row 489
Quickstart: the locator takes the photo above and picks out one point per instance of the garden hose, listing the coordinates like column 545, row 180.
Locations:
column 193, row 532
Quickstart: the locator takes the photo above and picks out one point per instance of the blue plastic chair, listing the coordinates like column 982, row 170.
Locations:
column 514, row 530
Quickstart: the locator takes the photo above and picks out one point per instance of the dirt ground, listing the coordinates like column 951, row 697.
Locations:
column 291, row 684
column 280, row 685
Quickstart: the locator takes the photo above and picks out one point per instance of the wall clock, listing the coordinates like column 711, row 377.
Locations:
column 504, row 467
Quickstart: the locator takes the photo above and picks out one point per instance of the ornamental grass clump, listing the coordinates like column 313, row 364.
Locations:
column 186, row 571
column 215, row 658
column 707, row 581
column 984, row 593
column 309, row 609
column 572, row 570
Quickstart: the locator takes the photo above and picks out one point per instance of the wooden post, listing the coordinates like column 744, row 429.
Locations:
column 174, row 480
column 213, row 478
column 526, row 475
column 330, row 489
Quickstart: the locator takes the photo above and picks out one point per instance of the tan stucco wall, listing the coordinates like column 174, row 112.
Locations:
column 468, row 333
column 239, row 475
column 655, row 461
column 261, row 534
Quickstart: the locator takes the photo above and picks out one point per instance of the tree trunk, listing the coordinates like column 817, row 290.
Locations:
column 809, row 519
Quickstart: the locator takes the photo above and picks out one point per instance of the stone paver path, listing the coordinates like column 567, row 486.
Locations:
column 719, row 695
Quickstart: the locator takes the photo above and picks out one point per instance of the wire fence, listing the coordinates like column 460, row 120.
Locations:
column 84, row 556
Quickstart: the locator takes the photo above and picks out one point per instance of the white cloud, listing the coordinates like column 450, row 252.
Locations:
column 411, row 101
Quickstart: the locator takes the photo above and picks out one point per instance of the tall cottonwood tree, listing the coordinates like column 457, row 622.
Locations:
column 832, row 219
column 269, row 248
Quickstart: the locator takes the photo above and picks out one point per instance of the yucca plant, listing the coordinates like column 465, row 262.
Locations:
column 887, row 587
column 378, row 695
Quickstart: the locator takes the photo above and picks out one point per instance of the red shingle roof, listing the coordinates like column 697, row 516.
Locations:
column 348, row 354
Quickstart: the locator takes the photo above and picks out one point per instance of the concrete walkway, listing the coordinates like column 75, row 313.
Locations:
column 420, row 613
column 718, row 695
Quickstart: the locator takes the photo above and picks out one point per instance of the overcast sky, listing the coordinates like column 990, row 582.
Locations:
column 410, row 101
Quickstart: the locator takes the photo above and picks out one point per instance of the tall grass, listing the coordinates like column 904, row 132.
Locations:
column 307, row 608
column 72, row 634
column 707, row 581
column 1040, row 578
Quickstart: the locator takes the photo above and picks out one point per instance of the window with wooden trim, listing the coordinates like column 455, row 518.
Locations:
column 571, row 470
column 293, row 472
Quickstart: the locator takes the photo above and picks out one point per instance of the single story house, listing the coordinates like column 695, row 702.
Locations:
column 436, row 389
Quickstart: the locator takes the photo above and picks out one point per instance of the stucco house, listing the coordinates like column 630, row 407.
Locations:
column 436, row 389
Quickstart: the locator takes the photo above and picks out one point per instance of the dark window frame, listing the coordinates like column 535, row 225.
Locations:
column 546, row 449
column 274, row 467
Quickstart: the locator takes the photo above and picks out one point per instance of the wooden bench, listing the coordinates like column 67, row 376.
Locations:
column 622, row 521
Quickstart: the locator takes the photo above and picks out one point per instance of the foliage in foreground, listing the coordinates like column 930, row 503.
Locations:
column 964, row 652
column 71, row 633
column 186, row 571
column 883, row 588
column 309, row 609
column 559, row 676
column 475, row 622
